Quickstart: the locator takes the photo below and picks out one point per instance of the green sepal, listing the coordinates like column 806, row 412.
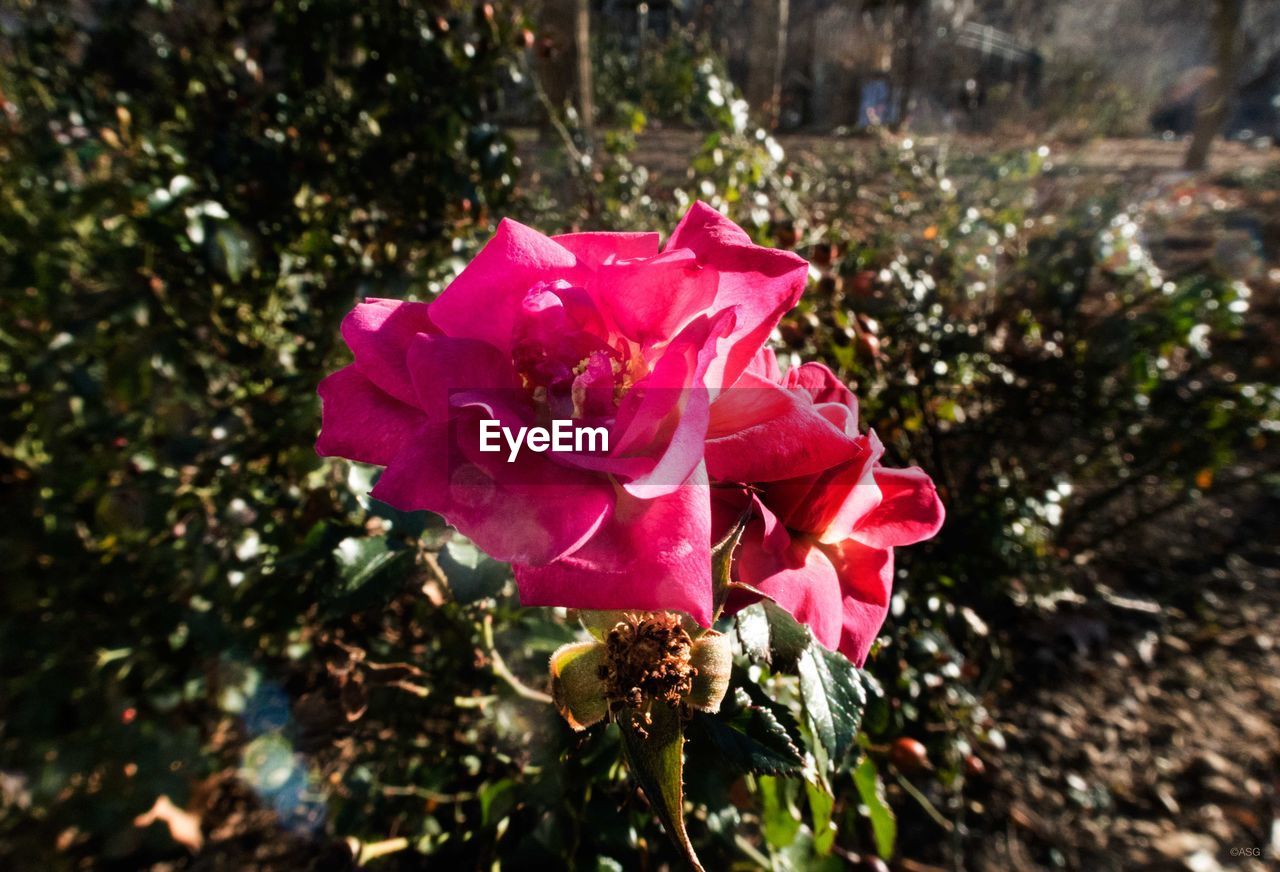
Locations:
column 576, row 686
column 712, row 656
column 654, row 752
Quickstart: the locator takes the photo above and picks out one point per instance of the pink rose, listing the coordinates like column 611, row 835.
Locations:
column 600, row 328
column 824, row 514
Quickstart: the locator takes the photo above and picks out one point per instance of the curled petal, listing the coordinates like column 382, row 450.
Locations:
column 866, row 583
column 821, row 384
column 361, row 422
column 762, row 283
column 761, row 432
column 378, row 333
column 829, row 504
column 482, row 302
column 909, row 510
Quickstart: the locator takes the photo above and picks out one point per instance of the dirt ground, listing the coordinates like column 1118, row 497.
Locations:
column 1147, row 736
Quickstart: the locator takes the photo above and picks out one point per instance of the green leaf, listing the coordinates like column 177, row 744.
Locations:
column 497, row 799
column 821, row 803
column 365, row 566
column 751, row 738
column 753, row 632
column 655, row 755
column 788, row 638
column 833, row 690
column 779, row 819
column 884, row 826
column 473, row 575
column 834, row 696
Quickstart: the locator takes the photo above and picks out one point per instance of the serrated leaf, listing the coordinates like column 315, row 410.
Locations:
column 884, row 826
column 831, row 688
column 655, row 757
column 833, row 695
column 751, row 738
column 788, row 638
column 752, row 626
column 770, row 635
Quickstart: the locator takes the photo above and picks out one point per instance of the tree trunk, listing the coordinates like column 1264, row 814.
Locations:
column 1211, row 113
column 564, row 57
column 916, row 13
column 769, row 21
column 586, row 99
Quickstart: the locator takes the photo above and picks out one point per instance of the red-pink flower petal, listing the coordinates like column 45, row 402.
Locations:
column 651, row 554
column 483, row 301
column 761, row 432
column 866, row 584
column 762, row 282
column 653, row 299
column 657, row 439
column 798, row 576
column 443, row 367
column 531, row 511
column 822, row 385
column 831, row 503
column 594, row 248
column 378, row 332
column 909, row 510
column 360, row 421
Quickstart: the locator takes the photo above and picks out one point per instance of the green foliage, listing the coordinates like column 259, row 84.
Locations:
column 197, row 192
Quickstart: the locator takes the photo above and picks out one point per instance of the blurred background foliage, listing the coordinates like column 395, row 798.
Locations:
column 196, row 606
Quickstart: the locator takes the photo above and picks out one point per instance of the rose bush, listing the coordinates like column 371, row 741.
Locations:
column 603, row 328
column 823, row 515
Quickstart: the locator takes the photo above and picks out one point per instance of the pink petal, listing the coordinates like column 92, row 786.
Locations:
column 866, row 584
column 482, row 302
column 593, row 249
column 658, row 436
column 361, row 422
column 530, row 511
column 443, row 367
column 649, row 555
column 829, row 504
column 761, row 432
column 653, row 299
column 762, row 282
column 765, row 366
column 798, row 576
column 909, row 510
column 378, row 333
column 822, row 385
